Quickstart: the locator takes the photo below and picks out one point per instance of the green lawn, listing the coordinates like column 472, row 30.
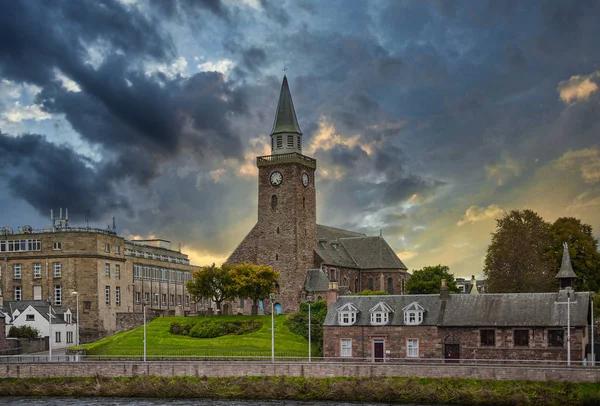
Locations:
column 161, row 343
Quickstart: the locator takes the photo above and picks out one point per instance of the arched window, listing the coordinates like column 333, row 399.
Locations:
column 344, row 281
column 390, row 286
column 277, row 230
column 276, row 257
column 356, row 285
column 332, row 275
column 371, row 284
column 273, row 202
column 303, row 203
column 277, row 288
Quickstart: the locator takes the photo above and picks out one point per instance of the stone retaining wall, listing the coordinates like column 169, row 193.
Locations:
column 313, row 370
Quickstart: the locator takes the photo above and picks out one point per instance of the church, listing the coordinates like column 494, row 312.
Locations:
column 312, row 259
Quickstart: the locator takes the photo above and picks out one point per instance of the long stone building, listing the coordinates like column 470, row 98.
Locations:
column 288, row 238
column 112, row 276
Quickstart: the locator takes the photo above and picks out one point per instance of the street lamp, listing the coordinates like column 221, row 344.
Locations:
column 144, row 307
column 309, row 300
column 50, row 328
column 272, row 297
column 77, row 314
column 569, row 291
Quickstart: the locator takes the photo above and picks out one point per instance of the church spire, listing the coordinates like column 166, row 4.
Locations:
column 286, row 134
column 566, row 273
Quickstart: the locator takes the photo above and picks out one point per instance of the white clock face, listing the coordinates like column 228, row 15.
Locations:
column 276, row 178
column 304, row 180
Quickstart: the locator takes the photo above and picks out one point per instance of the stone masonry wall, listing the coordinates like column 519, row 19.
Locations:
column 313, row 370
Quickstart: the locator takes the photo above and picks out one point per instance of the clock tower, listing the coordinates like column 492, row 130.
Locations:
column 287, row 223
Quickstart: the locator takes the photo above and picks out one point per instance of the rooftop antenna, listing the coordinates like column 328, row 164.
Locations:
column 52, row 217
column 179, row 246
column 66, row 217
column 380, row 238
column 87, row 218
column 114, row 225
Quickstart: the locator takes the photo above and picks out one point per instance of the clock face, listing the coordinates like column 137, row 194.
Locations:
column 276, row 178
column 304, row 180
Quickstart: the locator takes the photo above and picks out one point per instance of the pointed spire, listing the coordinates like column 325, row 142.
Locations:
column 474, row 290
column 566, row 273
column 285, row 116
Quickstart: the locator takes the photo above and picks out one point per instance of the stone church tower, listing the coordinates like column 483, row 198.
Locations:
column 286, row 232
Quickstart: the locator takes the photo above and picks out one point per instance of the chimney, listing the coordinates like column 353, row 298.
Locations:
column 444, row 291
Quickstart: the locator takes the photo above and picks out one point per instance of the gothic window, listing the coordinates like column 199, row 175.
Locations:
column 276, row 257
column 277, row 288
column 277, row 230
column 303, row 203
column 371, row 284
column 344, row 281
column 356, row 285
column 332, row 275
column 390, row 286
column 273, row 202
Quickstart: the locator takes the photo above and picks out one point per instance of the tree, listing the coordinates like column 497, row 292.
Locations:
column 212, row 282
column 583, row 250
column 368, row 292
column 298, row 323
column 518, row 258
column 429, row 280
column 255, row 282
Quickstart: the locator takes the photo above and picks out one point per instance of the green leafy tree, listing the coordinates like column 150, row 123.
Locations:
column 255, row 282
column 212, row 282
column 368, row 292
column 583, row 250
column 429, row 280
column 298, row 323
column 518, row 258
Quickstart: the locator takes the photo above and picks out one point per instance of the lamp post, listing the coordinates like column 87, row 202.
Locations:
column 144, row 307
column 76, row 314
column 272, row 297
column 50, row 328
column 309, row 300
column 569, row 291
column 592, row 335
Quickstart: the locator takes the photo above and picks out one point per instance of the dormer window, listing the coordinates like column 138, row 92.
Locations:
column 347, row 314
column 380, row 314
column 413, row 314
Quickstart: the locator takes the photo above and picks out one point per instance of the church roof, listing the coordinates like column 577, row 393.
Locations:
column 483, row 310
column 316, row 281
column 350, row 249
column 285, row 116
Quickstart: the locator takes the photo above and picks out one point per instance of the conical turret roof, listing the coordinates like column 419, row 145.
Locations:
column 566, row 270
column 285, row 116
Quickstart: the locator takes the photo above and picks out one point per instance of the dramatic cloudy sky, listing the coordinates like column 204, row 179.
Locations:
column 428, row 118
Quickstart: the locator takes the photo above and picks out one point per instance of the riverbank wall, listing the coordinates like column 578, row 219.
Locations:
column 308, row 370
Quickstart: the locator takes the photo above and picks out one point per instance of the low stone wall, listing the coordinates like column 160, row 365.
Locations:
column 314, row 370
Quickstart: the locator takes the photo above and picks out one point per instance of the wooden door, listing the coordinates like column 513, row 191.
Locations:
column 452, row 352
column 378, row 351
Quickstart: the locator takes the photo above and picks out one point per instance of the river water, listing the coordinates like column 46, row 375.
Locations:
column 63, row 401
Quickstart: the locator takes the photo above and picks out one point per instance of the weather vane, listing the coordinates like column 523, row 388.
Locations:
column 285, row 68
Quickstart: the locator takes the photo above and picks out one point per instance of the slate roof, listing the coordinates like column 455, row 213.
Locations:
column 285, row 116
column 40, row 306
column 316, row 281
column 350, row 249
column 483, row 310
column 566, row 270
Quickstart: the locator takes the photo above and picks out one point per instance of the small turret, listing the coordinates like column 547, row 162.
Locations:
column 566, row 275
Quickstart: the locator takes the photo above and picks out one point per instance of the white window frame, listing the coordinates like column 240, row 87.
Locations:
column 345, row 347
column 117, row 249
column 380, row 314
column 57, row 295
column 37, row 270
column 413, row 314
column 412, row 348
column 107, row 295
column 118, row 296
column 57, row 337
column 156, row 299
column 17, row 271
column 107, row 247
column 163, row 299
column 107, row 270
column 138, row 297
column 117, row 271
column 57, row 269
column 57, row 246
column 18, row 293
column 347, row 314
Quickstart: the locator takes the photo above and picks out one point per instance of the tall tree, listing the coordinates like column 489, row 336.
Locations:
column 212, row 282
column 518, row 258
column 429, row 280
column 255, row 282
column 583, row 250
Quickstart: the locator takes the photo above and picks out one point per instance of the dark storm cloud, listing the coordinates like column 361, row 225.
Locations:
column 139, row 120
column 50, row 176
column 275, row 12
column 253, row 58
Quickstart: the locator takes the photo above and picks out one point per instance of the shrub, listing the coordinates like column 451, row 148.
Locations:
column 368, row 292
column 23, row 332
column 212, row 328
column 298, row 322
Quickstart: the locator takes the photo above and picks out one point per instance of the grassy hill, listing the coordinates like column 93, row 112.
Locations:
column 161, row 343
